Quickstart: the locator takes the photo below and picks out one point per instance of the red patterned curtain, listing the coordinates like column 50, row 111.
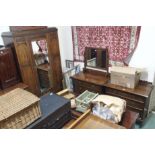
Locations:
column 120, row 40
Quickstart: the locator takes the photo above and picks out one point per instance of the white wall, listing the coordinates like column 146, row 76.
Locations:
column 65, row 43
column 3, row 29
column 144, row 56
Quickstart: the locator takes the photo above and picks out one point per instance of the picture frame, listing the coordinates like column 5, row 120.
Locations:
column 69, row 63
column 67, row 80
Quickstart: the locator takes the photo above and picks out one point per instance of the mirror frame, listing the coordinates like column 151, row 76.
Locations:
column 87, row 50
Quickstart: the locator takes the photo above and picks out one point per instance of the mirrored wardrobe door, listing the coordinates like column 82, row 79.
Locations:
column 41, row 59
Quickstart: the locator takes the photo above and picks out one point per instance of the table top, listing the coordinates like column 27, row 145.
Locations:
column 142, row 89
column 91, row 78
column 18, row 85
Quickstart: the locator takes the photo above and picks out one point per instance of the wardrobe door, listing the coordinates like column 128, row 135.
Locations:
column 27, row 68
column 8, row 72
column 55, row 61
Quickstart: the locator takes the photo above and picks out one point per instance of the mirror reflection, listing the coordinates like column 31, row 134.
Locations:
column 91, row 58
column 40, row 53
column 97, row 58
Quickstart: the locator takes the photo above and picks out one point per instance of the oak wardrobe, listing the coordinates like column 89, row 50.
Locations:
column 38, row 56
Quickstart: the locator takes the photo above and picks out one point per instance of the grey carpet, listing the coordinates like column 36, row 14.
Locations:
column 149, row 122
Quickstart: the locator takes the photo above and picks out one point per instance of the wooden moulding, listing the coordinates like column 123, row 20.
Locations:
column 25, row 28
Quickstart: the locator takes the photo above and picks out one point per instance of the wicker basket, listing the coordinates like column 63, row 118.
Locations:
column 18, row 109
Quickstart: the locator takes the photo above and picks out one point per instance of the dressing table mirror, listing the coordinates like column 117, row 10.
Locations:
column 96, row 59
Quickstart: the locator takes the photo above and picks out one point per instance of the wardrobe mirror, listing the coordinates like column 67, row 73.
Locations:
column 96, row 58
column 40, row 53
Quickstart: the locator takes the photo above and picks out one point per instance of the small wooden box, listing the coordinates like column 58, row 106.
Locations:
column 125, row 76
column 18, row 109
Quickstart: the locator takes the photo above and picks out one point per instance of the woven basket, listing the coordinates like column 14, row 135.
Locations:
column 18, row 109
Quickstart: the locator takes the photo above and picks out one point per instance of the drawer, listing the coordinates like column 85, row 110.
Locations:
column 125, row 95
column 135, row 105
column 130, row 102
column 80, row 86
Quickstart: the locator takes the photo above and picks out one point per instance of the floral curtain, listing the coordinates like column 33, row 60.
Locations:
column 120, row 40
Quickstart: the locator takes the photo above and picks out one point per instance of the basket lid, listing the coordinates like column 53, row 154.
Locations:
column 15, row 101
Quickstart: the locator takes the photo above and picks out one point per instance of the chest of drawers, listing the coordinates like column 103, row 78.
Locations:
column 137, row 99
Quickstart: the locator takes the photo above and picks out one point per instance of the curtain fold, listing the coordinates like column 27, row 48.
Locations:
column 120, row 40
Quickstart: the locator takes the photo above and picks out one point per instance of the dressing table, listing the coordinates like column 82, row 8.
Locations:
column 95, row 78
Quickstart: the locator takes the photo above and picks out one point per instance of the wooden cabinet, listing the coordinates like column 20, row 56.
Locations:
column 23, row 42
column 137, row 99
column 8, row 71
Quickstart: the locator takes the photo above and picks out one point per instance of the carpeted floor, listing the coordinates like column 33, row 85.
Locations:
column 149, row 122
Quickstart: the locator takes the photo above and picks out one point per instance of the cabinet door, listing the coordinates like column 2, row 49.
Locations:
column 27, row 68
column 8, row 70
column 55, row 61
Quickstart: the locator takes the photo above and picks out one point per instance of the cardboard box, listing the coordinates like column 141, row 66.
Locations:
column 125, row 76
